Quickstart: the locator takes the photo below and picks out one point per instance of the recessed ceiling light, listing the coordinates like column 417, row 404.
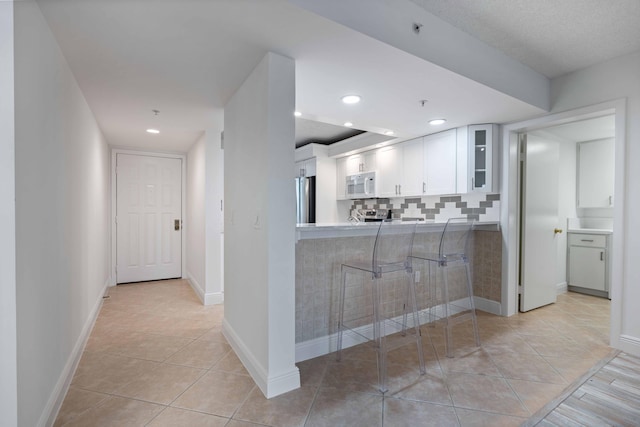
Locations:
column 348, row 124
column 297, row 113
column 351, row 99
column 436, row 122
column 153, row 131
column 389, row 132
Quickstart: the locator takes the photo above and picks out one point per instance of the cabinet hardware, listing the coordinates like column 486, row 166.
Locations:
column 601, row 256
column 424, row 187
column 586, row 240
column 400, row 189
column 176, row 224
column 557, row 230
column 472, row 184
column 610, row 201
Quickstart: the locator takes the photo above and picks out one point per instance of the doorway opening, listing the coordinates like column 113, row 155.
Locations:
column 557, row 134
column 147, row 209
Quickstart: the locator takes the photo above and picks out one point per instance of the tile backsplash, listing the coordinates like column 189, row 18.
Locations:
column 478, row 206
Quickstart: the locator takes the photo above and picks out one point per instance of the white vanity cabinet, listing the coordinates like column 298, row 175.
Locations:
column 595, row 173
column 588, row 257
column 483, row 158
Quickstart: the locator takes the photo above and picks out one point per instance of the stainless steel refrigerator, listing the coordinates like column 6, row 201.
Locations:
column 306, row 200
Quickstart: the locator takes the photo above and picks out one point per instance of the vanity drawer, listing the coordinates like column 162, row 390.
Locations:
column 591, row 240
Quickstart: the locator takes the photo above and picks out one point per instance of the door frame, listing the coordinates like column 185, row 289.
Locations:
column 183, row 199
column 510, row 194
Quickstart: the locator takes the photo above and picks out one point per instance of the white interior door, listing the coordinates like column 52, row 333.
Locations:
column 538, row 219
column 148, row 218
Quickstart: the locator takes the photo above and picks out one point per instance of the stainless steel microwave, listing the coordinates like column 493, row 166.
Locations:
column 361, row 186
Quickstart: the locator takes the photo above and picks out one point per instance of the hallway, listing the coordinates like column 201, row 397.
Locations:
column 157, row 357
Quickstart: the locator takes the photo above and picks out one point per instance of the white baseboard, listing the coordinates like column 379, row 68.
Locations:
column 210, row 298
column 64, row 381
column 270, row 386
column 324, row 345
column 213, row 298
column 488, row 306
column 561, row 288
column 630, row 345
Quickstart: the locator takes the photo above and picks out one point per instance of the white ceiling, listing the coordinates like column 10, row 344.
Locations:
column 553, row 37
column 186, row 58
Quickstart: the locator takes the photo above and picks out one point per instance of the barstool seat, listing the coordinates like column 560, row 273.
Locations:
column 453, row 251
column 391, row 252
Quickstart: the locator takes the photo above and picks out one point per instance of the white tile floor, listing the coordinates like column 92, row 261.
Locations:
column 157, row 357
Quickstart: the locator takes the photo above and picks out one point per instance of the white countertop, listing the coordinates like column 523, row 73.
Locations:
column 348, row 229
column 590, row 230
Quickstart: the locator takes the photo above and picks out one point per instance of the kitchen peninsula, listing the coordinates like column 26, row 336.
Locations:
column 321, row 248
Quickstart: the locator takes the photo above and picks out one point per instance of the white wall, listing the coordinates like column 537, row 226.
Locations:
column 195, row 212
column 260, row 222
column 62, row 217
column 611, row 80
column 214, row 190
column 8, row 378
column 204, row 217
column 566, row 203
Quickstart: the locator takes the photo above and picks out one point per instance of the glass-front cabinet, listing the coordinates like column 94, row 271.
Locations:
column 483, row 160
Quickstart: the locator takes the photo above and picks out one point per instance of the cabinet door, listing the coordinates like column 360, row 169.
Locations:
column 440, row 163
column 363, row 162
column 354, row 164
column 310, row 167
column 412, row 168
column 483, row 150
column 595, row 173
column 369, row 161
column 587, row 267
column 389, row 171
column 341, row 176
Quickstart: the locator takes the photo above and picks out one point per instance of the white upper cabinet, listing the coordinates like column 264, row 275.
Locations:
column 483, row 158
column 413, row 167
column 341, row 176
column 595, row 173
column 440, row 163
column 363, row 162
column 389, row 171
column 305, row 168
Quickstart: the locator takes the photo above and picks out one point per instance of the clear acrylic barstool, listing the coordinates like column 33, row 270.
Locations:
column 453, row 252
column 391, row 252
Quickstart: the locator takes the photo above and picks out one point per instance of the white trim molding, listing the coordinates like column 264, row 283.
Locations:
column 210, row 298
column 270, row 386
column 56, row 398
column 561, row 288
column 629, row 345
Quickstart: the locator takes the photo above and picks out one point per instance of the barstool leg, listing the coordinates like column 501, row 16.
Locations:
column 445, row 290
column 343, row 284
column 379, row 338
column 474, row 319
column 416, row 321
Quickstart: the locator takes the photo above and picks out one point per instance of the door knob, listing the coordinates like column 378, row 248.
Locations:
column 557, row 230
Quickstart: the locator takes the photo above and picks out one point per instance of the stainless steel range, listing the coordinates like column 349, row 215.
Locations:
column 373, row 215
